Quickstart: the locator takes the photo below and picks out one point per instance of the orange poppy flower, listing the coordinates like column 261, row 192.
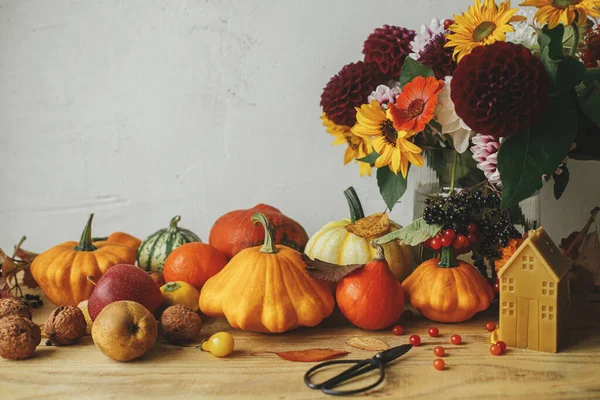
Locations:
column 415, row 105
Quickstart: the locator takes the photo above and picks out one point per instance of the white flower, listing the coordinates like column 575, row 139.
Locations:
column 385, row 94
column 525, row 31
column 485, row 152
column 424, row 36
column 451, row 123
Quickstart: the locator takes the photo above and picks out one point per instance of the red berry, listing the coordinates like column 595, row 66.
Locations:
column 472, row 228
column 439, row 364
column 455, row 339
column 460, row 242
column 439, row 351
column 490, row 327
column 447, row 23
column 497, row 287
column 415, row 340
column 449, row 233
column 397, row 330
column 427, row 244
column 446, row 242
column 495, row 350
column 434, row 332
column 436, row 243
column 472, row 238
column 502, row 345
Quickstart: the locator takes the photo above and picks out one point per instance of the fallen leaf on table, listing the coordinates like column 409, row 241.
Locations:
column 324, row 271
column 370, row 226
column 308, row 355
column 369, row 344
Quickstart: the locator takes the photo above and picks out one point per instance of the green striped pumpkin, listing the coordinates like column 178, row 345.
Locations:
column 155, row 249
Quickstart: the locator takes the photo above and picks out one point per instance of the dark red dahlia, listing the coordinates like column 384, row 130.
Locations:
column 388, row 47
column 348, row 89
column 437, row 57
column 499, row 89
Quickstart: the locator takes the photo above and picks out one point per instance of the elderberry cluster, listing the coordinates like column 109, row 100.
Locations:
column 481, row 207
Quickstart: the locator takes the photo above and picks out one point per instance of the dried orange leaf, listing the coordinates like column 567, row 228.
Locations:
column 308, row 355
column 8, row 265
column 370, row 226
column 366, row 343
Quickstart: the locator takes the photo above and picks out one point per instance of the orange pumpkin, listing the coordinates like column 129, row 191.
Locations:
column 266, row 289
column 124, row 239
column 448, row 290
column 371, row 297
column 193, row 263
column 233, row 232
column 62, row 271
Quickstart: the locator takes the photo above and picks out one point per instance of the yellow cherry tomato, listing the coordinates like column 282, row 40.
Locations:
column 220, row 344
column 180, row 292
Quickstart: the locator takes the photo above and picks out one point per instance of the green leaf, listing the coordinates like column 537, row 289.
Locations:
column 411, row 69
column 528, row 155
column 564, row 72
column 391, row 186
column 412, row 234
column 569, row 35
column 370, row 158
column 589, row 102
column 560, row 182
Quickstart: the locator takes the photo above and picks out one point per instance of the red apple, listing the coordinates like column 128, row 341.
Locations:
column 124, row 282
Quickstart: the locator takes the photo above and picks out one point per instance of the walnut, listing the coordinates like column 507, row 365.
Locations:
column 65, row 325
column 14, row 306
column 19, row 337
column 180, row 324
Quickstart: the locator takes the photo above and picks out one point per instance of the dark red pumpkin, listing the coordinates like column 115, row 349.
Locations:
column 234, row 232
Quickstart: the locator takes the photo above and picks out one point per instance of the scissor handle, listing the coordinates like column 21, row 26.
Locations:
column 360, row 367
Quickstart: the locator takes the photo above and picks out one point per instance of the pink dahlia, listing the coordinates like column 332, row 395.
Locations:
column 485, row 152
column 384, row 95
column 388, row 47
column 347, row 90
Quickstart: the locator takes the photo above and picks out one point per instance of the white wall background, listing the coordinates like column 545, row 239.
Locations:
column 138, row 110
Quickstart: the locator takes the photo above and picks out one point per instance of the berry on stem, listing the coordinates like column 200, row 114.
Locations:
column 490, row 327
column 495, row 350
column 439, row 351
column 446, row 241
column 455, row 339
column 450, row 234
column 436, row 243
column 434, row 332
column 415, row 340
column 502, row 345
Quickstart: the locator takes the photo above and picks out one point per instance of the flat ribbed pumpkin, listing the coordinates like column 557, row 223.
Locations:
column 448, row 290
column 333, row 243
column 266, row 289
column 62, row 271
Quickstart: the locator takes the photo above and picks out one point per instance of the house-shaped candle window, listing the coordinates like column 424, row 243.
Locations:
column 534, row 295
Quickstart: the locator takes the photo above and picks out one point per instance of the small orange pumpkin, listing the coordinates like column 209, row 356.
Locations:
column 448, row 290
column 266, row 289
column 371, row 297
column 62, row 271
column 124, row 239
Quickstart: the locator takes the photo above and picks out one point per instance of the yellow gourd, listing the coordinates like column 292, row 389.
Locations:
column 266, row 289
column 333, row 243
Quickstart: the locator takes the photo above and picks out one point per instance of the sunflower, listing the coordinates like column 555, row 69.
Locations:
column 393, row 146
column 480, row 26
column 357, row 147
column 415, row 105
column 553, row 12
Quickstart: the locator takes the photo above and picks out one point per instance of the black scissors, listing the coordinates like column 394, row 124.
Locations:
column 360, row 367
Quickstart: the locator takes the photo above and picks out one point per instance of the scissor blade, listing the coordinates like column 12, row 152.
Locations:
column 393, row 353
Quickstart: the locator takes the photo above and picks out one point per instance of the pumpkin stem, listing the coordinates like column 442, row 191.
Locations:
column 91, row 279
column 356, row 210
column 448, row 260
column 85, row 243
column 379, row 252
column 269, row 244
column 174, row 221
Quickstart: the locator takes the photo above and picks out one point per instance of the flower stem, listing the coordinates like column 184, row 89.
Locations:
column 575, row 47
column 453, row 172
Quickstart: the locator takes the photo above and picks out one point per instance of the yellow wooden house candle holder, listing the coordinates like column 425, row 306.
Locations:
column 534, row 295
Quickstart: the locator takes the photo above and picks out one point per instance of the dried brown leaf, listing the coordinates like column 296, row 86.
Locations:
column 324, row 271
column 28, row 279
column 308, row 355
column 371, row 226
column 367, row 343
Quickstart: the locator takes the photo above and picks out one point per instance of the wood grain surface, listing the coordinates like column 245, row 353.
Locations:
column 82, row 372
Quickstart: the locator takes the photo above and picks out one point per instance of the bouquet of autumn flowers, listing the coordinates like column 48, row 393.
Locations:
column 517, row 90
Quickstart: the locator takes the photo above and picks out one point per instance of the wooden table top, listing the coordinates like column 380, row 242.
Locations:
column 82, row 371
